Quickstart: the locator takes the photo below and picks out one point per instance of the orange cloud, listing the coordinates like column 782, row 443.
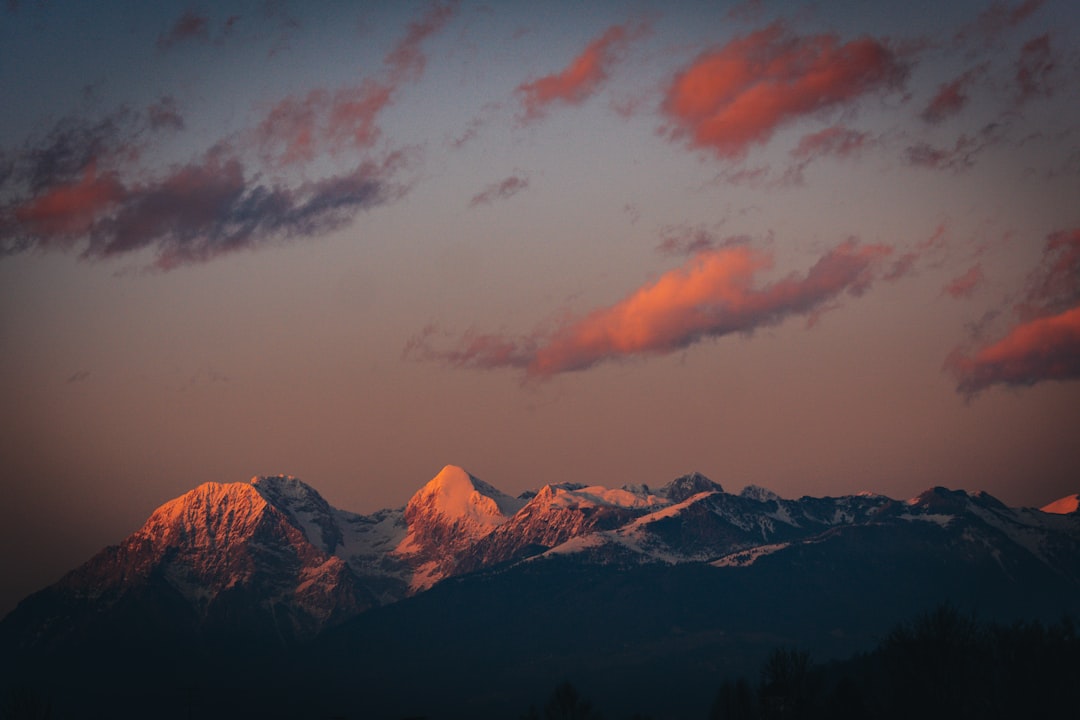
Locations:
column 731, row 98
column 710, row 296
column 1045, row 343
column 963, row 285
column 1047, row 348
column 580, row 79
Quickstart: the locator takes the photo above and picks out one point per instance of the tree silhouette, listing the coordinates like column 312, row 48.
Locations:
column 23, row 703
column 565, row 703
column 788, row 685
column 734, row 701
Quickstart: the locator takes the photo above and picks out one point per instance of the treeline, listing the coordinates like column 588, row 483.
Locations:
column 942, row 664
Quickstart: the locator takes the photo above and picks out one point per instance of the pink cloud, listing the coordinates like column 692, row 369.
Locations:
column 962, row 286
column 501, row 190
column 65, row 211
column 1045, row 342
column 406, row 59
column 739, row 95
column 298, row 128
column 710, row 296
column 951, row 97
column 580, row 79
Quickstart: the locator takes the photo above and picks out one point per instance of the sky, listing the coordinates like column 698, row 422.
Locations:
column 821, row 247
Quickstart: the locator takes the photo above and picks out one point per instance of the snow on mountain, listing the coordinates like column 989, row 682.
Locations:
column 274, row 553
column 221, row 549
column 1063, row 506
column 447, row 516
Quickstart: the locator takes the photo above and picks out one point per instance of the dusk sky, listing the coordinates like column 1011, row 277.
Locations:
column 822, row 247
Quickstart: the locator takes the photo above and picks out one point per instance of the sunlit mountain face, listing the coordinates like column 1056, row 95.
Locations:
column 680, row 583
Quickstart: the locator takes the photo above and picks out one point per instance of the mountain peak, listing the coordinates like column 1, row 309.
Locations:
column 450, row 513
column 1063, row 506
column 756, row 492
column 210, row 507
column 457, row 495
column 304, row 506
column 687, row 486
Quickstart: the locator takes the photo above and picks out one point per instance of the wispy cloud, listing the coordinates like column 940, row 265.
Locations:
column 406, row 60
column 951, row 97
column 581, row 78
column 690, row 240
column 998, row 18
column 962, row 286
column 738, row 95
column 188, row 27
column 296, row 129
column 81, row 186
column 501, row 190
column 712, row 295
column 835, row 141
column 1044, row 344
column 299, row 128
column 193, row 213
column 1035, row 69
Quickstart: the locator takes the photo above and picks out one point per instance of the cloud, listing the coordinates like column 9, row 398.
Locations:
column 738, row 95
column 836, row 141
column 1055, row 285
column 998, row 18
column 1046, row 348
column 689, row 240
column 500, row 190
column 1044, row 344
column 1034, row 69
column 298, row 128
column 580, row 79
column 960, row 156
column 189, row 26
column 164, row 114
column 406, row 60
column 710, row 296
column 951, row 97
column 194, row 213
column 962, row 286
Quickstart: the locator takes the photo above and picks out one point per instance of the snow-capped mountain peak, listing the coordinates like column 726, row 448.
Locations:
column 449, row 514
column 304, row 506
column 1063, row 506
column 455, row 495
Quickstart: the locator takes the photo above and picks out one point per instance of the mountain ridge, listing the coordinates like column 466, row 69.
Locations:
column 266, row 582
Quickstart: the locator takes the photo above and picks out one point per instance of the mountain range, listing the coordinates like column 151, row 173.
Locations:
column 470, row 601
